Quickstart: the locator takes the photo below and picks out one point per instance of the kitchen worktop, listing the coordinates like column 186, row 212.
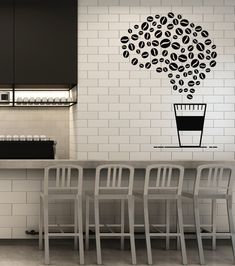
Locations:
column 39, row 164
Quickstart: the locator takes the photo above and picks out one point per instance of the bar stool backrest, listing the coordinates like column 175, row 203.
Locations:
column 215, row 178
column 164, row 177
column 114, row 177
column 63, row 178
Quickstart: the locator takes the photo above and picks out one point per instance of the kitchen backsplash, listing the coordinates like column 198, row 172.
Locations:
column 125, row 109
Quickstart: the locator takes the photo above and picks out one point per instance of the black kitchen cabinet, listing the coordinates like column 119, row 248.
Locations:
column 45, row 42
column 6, row 42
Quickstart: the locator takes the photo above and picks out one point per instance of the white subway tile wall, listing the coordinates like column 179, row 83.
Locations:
column 125, row 111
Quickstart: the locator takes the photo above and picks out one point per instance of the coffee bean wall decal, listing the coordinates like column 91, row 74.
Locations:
column 171, row 43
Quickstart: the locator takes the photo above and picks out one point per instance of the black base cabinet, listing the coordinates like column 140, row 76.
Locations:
column 38, row 42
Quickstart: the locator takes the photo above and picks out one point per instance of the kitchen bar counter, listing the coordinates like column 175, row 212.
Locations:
column 39, row 164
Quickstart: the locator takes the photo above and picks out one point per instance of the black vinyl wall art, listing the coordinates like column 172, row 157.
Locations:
column 182, row 50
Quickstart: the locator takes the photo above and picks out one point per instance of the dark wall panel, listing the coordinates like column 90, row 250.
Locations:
column 6, row 42
column 45, row 41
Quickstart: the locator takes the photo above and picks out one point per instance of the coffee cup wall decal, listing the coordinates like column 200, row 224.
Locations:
column 172, row 45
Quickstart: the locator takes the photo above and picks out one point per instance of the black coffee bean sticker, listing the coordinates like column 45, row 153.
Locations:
column 181, row 68
column 185, row 90
column 172, row 81
column 165, row 43
column 171, row 15
column 134, row 61
column 198, row 82
column 204, row 33
column 161, row 60
column 177, row 76
column 185, row 74
column 194, row 63
column 187, row 65
column 130, row 31
column 155, row 43
column 173, row 66
column 158, row 33
column 200, row 46
column 196, row 71
column 141, row 32
column 163, row 20
column 154, row 23
column 164, row 52
column 188, row 30
column 182, row 50
column 179, row 31
column 192, row 25
column 173, row 56
column 151, row 29
column 208, row 51
column 175, row 37
column 138, row 51
column 195, row 41
column 179, row 16
column 175, row 87
column 192, row 90
column 170, row 75
column 147, row 36
column 170, row 26
column 126, row 54
column 184, row 22
column 181, row 82
column 208, row 70
column 149, row 43
column 154, row 52
column 175, row 21
column 159, row 26
column 157, row 16
column 202, row 65
column 141, row 44
column 159, row 69
column 191, row 55
column 182, row 58
column 124, row 47
column 154, row 61
column 175, row 45
column 141, row 65
column 198, row 28
column 212, row 63
column 167, row 34
column 191, row 83
column 134, row 37
column 208, row 57
column 208, row 41
column 190, row 96
column 213, row 55
column 180, row 90
column 195, row 34
column 131, row 47
column 148, row 65
column 202, row 76
column 195, row 77
column 149, row 18
column 185, row 39
column 213, row 46
column 145, row 26
column 136, row 27
column 201, row 56
column 145, row 54
column 167, row 61
column 190, row 48
column 125, row 39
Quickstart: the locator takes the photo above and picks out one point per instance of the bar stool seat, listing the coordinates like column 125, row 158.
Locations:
column 213, row 182
column 58, row 186
column 112, row 182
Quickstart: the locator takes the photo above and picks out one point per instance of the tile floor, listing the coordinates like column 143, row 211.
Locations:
column 26, row 253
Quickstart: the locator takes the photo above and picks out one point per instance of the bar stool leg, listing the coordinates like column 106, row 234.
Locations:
column 87, row 221
column 97, row 231
column 167, row 224
column 198, row 230
column 214, row 224
column 41, row 224
column 177, row 230
column 122, row 223
column 147, row 235
column 131, row 228
column 46, row 236
column 181, row 231
column 231, row 224
column 75, row 224
column 80, row 229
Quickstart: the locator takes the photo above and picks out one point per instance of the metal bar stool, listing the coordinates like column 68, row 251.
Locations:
column 164, row 182
column 112, row 182
column 212, row 182
column 62, row 183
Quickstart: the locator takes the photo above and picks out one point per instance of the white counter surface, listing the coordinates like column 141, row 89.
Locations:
column 39, row 164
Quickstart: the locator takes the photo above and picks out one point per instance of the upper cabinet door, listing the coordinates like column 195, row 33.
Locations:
column 46, row 42
column 6, row 42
